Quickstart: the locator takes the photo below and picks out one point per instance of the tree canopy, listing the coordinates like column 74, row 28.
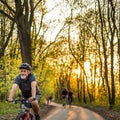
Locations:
column 70, row 43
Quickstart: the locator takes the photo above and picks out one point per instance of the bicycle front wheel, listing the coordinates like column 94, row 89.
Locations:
column 20, row 116
column 69, row 101
column 23, row 116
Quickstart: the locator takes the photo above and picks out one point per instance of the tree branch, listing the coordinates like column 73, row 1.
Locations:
column 5, row 3
column 32, row 12
column 37, row 3
column 6, row 15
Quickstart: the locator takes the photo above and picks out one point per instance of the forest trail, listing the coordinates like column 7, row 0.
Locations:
column 71, row 113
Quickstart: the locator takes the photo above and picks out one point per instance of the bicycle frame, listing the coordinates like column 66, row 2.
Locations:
column 25, row 110
column 64, row 102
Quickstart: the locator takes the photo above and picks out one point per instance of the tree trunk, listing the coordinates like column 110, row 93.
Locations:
column 113, row 28
column 24, row 25
column 25, row 44
column 104, row 52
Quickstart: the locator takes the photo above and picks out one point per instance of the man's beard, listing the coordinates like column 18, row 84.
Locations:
column 23, row 76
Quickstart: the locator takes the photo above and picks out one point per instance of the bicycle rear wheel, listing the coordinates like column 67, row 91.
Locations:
column 69, row 101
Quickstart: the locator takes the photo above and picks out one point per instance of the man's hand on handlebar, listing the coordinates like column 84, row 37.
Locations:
column 10, row 99
column 30, row 99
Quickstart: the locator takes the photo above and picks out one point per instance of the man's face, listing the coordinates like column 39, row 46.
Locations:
column 24, row 73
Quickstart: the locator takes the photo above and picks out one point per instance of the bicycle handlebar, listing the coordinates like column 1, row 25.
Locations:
column 22, row 100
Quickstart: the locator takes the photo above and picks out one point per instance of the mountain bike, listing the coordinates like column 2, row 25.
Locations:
column 25, row 112
column 69, row 101
column 64, row 101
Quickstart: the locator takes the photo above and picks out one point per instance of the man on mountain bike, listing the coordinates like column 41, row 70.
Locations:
column 70, row 96
column 27, row 84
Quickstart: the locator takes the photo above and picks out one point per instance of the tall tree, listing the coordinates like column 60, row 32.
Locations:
column 22, row 13
column 108, row 33
column 5, row 33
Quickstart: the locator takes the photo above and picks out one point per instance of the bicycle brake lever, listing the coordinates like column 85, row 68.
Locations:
column 14, row 101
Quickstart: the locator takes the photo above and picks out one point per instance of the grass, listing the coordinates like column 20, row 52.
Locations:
column 8, row 108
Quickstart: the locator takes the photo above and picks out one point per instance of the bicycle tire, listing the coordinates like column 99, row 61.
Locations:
column 70, row 101
column 64, row 102
column 21, row 116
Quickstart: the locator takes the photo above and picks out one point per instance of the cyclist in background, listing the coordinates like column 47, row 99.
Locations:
column 70, row 96
column 50, row 99
column 27, row 84
column 64, row 96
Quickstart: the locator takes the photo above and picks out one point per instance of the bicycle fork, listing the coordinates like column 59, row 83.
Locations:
column 28, row 116
column 27, row 111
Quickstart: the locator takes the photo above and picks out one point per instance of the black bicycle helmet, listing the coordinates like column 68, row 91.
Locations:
column 25, row 66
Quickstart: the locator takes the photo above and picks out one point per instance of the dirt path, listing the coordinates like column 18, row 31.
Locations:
column 71, row 113
column 57, row 112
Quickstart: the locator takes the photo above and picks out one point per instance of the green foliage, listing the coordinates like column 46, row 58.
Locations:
column 8, row 71
column 45, row 78
column 10, row 108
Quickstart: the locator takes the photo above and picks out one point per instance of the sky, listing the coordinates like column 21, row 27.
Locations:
column 58, row 12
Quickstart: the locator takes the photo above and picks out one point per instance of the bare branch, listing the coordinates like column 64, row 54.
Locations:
column 32, row 12
column 37, row 4
column 6, row 15
column 26, row 10
column 5, row 3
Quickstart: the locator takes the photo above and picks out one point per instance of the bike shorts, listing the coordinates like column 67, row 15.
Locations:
column 37, row 97
column 64, row 96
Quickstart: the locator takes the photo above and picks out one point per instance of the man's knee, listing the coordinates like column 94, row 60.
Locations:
column 35, row 102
